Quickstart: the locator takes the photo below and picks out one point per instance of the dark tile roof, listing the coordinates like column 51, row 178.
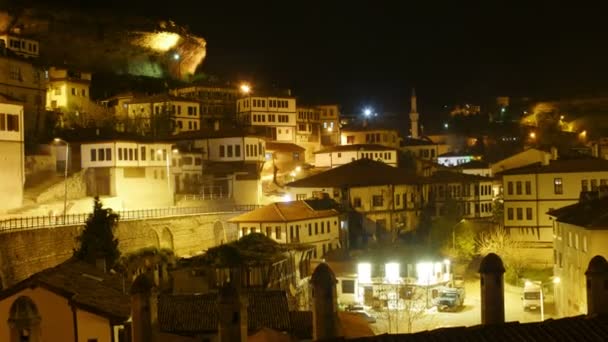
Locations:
column 283, row 147
column 84, row 285
column 579, row 328
column 590, row 214
column 196, row 313
column 456, row 177
column 416, row 142
column 562, row 166
column 362, row 172
column 223, row 132
column 161, row 98
column 474, row 164
column 355, row 147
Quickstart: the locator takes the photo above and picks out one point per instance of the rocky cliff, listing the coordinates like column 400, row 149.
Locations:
column 108, row 42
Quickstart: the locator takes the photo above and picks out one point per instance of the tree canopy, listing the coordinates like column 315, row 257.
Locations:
column 97, row 239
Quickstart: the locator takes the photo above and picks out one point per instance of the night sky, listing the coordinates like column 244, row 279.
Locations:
column 372, row 53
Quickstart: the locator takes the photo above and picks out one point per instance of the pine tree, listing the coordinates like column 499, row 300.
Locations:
column 97, row 239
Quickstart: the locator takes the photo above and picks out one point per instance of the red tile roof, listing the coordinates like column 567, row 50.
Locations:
column 284, row 212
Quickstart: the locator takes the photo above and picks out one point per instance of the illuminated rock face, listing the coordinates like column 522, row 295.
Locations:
column 110, row 42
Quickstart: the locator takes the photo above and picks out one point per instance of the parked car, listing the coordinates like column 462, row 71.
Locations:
column 360, row 311
column 450, row 299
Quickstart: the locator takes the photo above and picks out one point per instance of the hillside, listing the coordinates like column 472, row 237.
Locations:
column 108, row 42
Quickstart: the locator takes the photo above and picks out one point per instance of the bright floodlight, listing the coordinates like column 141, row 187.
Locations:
column 57, row 140
column 245, row 88
column 391, row 272
column 556, row 280
column 532, row 135
column 364, row 273
column 446, row 125
column 176, row 56
column 298, row 168
column 367, row 111
column 424, row 272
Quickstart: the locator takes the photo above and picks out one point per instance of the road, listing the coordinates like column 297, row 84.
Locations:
column 470, row 315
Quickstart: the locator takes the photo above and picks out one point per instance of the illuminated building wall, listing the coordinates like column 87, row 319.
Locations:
column 12, row 174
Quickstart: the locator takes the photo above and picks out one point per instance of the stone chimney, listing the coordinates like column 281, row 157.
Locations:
column 144, row 313
column 325, row 323
column 491, row 272
column 232, row 318
column 597, row 291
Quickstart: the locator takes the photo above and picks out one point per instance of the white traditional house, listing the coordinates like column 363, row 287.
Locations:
column 276, row 116
column 187, row 170
column 153, row 113
column 530, row 192
column 473, row 195
column 343, row 154
column 384, row 198
column 456, row 158
column 294, row 222
column 580, row 232
column 12, row 157
column 139, row 173
column 21, row 45
column 370, row 135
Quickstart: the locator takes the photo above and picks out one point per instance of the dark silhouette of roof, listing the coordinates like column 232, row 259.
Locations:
column 417, row 142
column 83, row 285
column 562, row 166
column 361, row 172
column 474, row 164
column 597, row 265
column 355, row 147
column 589, row 214
column 283, row 147
column 491, row 263
column 570, row 329
column 456, row 177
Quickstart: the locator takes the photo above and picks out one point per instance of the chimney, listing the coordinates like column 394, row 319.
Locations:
column 325, row 323
column 491, row 271
column 232, row 318
column 597, row 292
column 144, row 313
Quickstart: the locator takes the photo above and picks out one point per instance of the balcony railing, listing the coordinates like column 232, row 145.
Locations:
column 35, row 222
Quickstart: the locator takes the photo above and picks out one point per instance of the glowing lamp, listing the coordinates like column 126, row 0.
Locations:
column 556, row 280
column 391, row 272
column 364, row 273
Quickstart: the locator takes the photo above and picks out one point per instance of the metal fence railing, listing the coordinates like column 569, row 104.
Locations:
column 35, row 222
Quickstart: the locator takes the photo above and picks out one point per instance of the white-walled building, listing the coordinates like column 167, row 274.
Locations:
column 455, row 158
column 423, row 148
column 165, row 113
column 275, row 116
column 20, row 45
column 294, row 222
column 187, row 171
column 370, row 135
column 343, row 154
column 68, row 90
column 580, row 232
column 12, row 156
column 527, row 157
column 384, row 198
column 531, row 191
column 136, row 172
column 476, row 167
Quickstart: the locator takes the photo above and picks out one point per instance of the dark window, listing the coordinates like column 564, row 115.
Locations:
column 584, row 185
column 229, row 151
column 528, row 213
column 510, row 214
column 102, row 154
column 277, row 232
column 222, row 151
column 309, row 229
column 316, row 228
column 93, row 154
column 237, row 150
column 143, row 153
column 357, row 202
column 520, row 213
column 518, row 188
column 322, row 227
column 510, row 188
column 108, row 154
column 528, row 188
column 377, row 200
column 120, row 153
column 348, row 286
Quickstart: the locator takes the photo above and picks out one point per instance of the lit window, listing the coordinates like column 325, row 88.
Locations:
column 558, row 187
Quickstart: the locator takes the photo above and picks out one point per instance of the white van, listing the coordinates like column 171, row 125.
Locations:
column 532, row 296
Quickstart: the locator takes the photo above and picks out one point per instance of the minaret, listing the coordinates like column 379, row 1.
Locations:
column 414, row 116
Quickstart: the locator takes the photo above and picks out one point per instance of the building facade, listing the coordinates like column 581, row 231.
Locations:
column 216, row 102
column 164, row 114
column 12, row 155
column 274, row 117
column 294, row 222
column 137, row 173
column 473, row 195
column 343, row 154
column 531, row 191
column 20, row 45
column 330, row 124
column 68, row 90
column 369, row 135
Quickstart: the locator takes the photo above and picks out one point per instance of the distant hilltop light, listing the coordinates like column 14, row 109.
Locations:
column 159, row 41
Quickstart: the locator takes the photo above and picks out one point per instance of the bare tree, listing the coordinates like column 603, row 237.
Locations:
column 499, row 241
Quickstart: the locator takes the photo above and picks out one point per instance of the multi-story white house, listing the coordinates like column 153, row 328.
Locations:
column 216, row 102
column 274, row 116
column 530, row 192
column 343, row 154
column 20, row 45
column 138, row 173
column 370, row 135
column 12, row 156
column 187, row 171
column 383, row 199
column 68, row 90
column 294, row 222
column 580, row 231
column 330, row 124
column 455, row 158
column 472, row 194
column 164, row 113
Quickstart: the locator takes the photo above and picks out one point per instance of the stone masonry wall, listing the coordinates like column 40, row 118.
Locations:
column 23, row 253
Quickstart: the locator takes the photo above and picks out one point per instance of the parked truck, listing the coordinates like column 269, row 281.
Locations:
column 450, row 298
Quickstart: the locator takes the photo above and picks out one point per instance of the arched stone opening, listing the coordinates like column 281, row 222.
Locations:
column 24, row 321
column 166, row 239
column 152, row 239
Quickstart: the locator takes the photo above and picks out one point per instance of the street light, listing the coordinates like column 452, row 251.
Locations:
column 454, row 233
column 367, row 111
column 245, row 88
column 532, row 135
column 65, row 175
